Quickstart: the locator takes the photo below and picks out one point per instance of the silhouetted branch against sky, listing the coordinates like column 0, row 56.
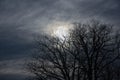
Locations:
column 84, row 54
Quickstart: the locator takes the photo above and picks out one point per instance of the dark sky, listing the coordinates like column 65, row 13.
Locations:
column 21, row 20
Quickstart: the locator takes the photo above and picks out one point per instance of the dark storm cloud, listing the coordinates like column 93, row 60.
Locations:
column 20, row 20
column 11, row 44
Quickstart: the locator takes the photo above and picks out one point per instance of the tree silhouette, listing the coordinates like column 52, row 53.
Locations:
column 83, row 55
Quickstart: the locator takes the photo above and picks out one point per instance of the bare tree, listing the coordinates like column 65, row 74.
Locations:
column 84, row 55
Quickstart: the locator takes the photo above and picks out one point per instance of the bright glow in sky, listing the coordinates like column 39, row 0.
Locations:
column 61, row 31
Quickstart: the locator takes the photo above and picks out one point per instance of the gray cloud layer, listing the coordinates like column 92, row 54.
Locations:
column 20, row 20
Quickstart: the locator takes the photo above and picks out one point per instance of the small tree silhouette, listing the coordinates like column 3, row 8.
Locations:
column 84, row 55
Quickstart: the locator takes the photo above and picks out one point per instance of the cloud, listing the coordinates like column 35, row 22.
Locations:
column 21, row 20
column 14, row 66
column 13, row 69
column 33, row 16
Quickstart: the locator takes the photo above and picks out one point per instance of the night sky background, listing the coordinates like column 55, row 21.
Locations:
column 22, row 20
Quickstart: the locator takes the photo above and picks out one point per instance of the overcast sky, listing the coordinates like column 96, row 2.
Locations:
column 21, row 20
